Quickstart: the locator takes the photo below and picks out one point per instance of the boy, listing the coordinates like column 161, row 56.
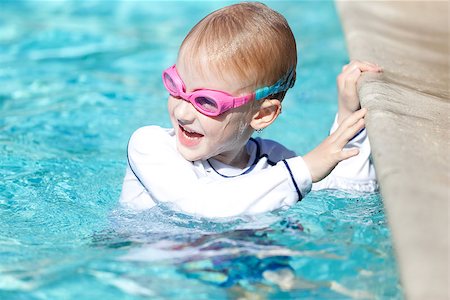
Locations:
column 232, row 73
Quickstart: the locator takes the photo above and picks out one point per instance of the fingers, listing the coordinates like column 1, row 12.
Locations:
column 351, row 73
column 353, row 130
column 352, row 120
column 346, row 154
column 363, row 66
column 349, row 128
column 349, row 85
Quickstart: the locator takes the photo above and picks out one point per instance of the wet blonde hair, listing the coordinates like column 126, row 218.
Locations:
column 248, row 40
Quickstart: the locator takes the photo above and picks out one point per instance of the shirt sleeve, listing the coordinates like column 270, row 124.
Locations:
column 356, row 173
column 165, row 176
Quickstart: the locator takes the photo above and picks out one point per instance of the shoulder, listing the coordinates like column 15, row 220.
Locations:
column 151, row 138
column 273, row 150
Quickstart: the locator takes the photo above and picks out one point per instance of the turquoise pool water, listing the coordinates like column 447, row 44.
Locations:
column 77, row 78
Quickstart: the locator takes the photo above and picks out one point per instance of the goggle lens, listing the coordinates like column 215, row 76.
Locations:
column 206, row 104
column 170, row 85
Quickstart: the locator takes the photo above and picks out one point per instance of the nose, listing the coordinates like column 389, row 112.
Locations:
column 184, row 111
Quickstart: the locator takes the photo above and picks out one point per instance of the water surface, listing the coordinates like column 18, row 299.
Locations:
column 77, row 79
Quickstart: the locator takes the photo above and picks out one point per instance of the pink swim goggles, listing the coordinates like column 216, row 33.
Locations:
column 213, row 103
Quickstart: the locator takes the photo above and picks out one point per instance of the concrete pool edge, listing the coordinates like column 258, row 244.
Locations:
column 408, row 125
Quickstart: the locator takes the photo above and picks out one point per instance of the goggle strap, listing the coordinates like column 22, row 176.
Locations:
column 285, row 83
column 242, row 100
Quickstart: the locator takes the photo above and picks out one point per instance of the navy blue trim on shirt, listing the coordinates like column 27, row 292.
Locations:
column 258, row 155
column 356, row 135
column 131, row 168
column 272, row 163
column 246, row 171
column 258, row 150
column 293, row 180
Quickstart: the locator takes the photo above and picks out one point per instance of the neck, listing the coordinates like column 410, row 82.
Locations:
column 238, row 159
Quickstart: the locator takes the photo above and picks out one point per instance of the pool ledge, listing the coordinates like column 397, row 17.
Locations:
column 408, row 126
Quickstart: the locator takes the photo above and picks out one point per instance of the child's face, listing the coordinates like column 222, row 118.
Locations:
column 200, row 137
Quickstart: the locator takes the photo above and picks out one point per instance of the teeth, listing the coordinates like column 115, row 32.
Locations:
column 184, row 129
column 190, row 134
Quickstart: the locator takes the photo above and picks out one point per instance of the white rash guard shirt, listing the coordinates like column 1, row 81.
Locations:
column 274, row 177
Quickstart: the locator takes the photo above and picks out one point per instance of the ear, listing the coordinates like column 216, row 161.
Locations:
column 268, row 111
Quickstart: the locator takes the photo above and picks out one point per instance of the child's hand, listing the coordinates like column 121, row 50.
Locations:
column 348, row 100
column 322, row 159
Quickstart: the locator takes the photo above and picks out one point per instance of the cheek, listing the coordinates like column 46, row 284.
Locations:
column 228, row 129
column 212, row 127
column 171, row 105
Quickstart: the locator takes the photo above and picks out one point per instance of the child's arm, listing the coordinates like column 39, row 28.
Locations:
column 324, row 158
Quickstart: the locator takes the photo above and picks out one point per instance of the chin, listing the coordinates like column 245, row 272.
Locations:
column 190, row 155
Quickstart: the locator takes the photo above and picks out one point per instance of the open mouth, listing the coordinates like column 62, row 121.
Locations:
column 190, row 134
column 187, row 137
